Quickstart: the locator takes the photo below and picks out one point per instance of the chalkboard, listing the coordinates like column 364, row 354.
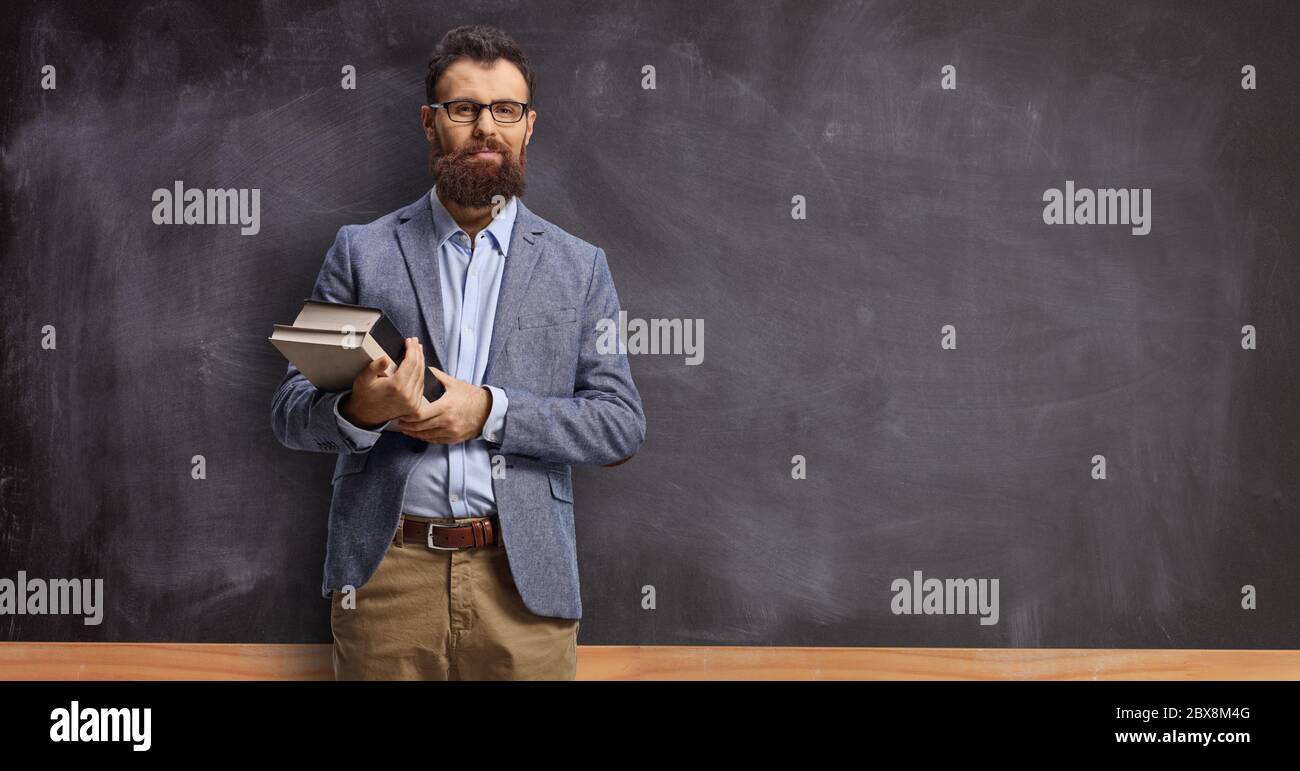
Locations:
column 907, row 372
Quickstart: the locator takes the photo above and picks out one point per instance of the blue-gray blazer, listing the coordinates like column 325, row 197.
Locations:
column 569, row 403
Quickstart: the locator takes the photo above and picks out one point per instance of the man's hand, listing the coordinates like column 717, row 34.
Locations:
column 457, row 415
column 378, row 397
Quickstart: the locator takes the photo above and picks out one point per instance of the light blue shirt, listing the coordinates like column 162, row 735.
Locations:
column 455, row 480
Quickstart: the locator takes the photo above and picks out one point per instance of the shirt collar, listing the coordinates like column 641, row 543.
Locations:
column 501, row 226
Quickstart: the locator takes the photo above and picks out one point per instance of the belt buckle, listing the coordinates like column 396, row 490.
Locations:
column 432, row 545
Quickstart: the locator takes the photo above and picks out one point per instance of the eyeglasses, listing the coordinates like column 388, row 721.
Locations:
column 467, row 110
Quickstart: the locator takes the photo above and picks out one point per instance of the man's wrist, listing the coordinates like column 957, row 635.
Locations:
column 345, row 409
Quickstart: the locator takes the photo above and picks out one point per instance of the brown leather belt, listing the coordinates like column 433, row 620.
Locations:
column 476, row 531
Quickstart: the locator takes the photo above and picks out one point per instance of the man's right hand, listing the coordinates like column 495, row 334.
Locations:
column 378, row 397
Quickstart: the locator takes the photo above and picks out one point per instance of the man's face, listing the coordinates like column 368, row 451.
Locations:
column 472, row 162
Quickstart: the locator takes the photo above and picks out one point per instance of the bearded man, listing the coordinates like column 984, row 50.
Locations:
column 451, row 550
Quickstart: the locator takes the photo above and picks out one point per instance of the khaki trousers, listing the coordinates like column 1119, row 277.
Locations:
column 428, row 614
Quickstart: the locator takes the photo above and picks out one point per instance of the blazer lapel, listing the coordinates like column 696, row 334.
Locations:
column 525, row 250
column 415, row 234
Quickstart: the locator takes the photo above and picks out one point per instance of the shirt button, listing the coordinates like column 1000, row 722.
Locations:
column 492, row 436
column 469, row 330
column 454, row 497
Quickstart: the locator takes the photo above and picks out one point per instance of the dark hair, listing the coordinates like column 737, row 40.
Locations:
column 481, row 43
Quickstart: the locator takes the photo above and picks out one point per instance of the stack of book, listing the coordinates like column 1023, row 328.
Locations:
column 331, row 343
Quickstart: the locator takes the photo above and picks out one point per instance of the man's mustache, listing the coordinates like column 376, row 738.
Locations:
column 468, row 151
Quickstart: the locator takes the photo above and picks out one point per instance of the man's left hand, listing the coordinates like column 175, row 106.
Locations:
column 458, row 415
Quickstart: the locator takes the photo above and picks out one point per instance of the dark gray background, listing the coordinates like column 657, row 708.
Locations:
column 821, row 336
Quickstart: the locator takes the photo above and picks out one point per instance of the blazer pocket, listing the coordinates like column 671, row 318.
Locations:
column 561, row 485
column 350, row 463
column 548, row 318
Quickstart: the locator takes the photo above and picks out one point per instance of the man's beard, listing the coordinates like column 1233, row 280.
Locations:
column 472, row 183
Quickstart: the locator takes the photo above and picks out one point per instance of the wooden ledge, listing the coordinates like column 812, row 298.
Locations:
column 200, row 661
